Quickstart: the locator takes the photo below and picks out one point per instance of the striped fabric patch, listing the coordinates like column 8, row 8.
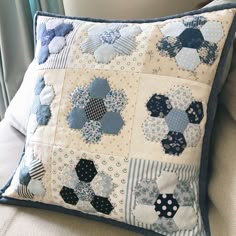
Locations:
column 149, row 169
column 36, row 169
column 124, row 46
column 23, row 192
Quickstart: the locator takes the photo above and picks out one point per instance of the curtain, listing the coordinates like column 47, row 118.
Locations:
column 16, row 42
column 54, row 6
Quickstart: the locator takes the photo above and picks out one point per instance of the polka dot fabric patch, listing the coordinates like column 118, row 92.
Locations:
column 120, row 116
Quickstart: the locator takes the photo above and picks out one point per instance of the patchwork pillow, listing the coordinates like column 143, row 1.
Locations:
column 121, row 118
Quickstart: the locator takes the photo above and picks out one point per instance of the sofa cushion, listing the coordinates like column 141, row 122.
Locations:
column 26, row 221
column 11, row 146
column 223, row 177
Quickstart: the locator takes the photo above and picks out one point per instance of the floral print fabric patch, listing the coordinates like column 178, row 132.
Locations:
column 117, row 125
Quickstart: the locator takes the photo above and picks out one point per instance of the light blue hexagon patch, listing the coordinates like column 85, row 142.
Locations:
column 99, row 88
column 112, row 122
column 77, row 118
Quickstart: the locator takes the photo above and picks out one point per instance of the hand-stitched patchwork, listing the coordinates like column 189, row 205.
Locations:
column 160, row 210
column 51, row 38
column 109, row 182
column 40, row 111
column 174, row 120
column 30, row 179
column 191, row 42
column 106, row 42
column 96, row 110
column 91, row 187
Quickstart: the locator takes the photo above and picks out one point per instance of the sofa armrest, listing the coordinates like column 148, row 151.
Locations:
column 11, row 146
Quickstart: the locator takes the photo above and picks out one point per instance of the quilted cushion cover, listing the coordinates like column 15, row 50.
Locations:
column 121, row 117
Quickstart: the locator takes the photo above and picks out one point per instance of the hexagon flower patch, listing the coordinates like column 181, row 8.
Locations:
column 91, row 189
column 174, row 120
column 40, row 110
column 106, row 42
column 51, row 38
column 30, row 179
column 96, row 109
column 191, row 42
column 165, row 204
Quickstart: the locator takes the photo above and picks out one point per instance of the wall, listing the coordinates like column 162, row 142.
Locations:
column 124, row 9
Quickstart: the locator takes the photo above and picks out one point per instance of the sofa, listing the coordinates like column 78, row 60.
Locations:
column 222, row 178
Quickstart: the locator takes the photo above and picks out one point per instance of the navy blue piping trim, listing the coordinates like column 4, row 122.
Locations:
column 211, row 110
column 190, row 13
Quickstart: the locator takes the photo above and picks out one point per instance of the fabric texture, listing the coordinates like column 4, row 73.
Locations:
column 222, row 172
column 57, row 135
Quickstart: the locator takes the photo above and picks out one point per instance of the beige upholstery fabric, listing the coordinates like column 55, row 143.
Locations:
column 28, row 222
column 218, row 2
column 11, row 146
column 222, row 187
column 18, row 221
